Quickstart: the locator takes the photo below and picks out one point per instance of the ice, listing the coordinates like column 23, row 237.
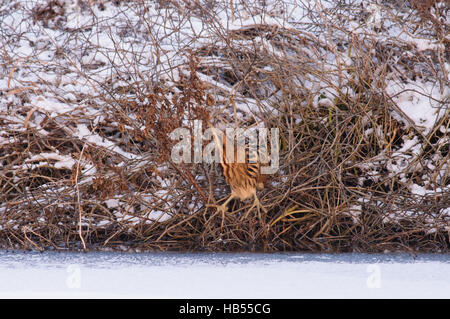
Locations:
column 171, row 275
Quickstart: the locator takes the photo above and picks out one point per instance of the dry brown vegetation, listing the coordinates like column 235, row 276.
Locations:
column 347, row 181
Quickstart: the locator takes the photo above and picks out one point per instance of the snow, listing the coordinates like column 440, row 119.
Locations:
column 83, row 132
column 171, row 275
column 61, row 161
column 112, row 203
column 51, row 106
column 258, row 19
column 419, row 101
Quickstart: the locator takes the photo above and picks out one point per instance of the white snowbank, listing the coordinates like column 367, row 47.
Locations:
column 223, row 276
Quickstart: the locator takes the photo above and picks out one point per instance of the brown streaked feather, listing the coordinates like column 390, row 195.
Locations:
column 243, row 178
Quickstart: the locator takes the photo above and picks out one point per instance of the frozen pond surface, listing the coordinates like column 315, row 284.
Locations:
column 213, row 275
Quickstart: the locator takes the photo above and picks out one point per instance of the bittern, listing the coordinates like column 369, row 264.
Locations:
column 244, row 178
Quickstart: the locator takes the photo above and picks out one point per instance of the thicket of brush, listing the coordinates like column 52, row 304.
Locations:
column 345, row 181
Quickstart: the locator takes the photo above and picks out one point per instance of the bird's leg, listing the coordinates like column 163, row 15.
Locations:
column 224, row 208
column 257, row 204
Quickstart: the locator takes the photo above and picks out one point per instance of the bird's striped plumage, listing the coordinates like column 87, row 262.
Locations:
column 244, row 178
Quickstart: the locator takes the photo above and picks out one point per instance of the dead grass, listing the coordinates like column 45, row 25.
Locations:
column 336, row 189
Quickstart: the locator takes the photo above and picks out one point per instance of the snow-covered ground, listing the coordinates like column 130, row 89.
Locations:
column 170, row 275
column 77, row 138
